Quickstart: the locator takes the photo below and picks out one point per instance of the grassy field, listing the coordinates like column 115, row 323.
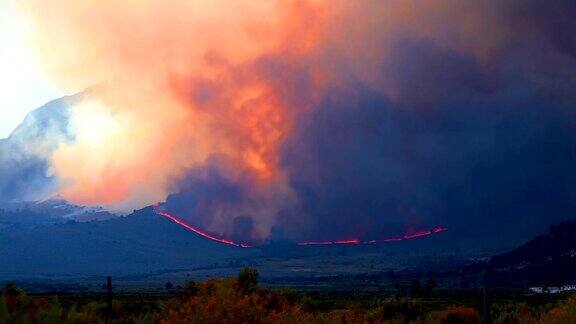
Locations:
column 237, row 299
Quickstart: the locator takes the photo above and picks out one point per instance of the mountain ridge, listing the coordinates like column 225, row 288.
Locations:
column 138, row 243
column 548, row 259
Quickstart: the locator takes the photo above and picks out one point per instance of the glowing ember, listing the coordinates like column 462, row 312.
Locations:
column 202, row 233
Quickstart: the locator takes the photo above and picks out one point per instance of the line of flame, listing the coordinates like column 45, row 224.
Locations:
column 199, row 231
column 420, row 234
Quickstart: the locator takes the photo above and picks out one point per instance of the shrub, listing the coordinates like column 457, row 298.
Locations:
column 564, row 313
column 394, row 308
column 17, row 307
column 456, row 315
column 248, row 280
column 513, row 313
column 221, row 301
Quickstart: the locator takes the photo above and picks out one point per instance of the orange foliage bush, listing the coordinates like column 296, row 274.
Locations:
column 458, row 315
column 221, row 301
column 564, row 313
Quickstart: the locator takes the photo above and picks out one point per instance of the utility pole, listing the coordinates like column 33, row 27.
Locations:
column 485, row 307
column 109, row 297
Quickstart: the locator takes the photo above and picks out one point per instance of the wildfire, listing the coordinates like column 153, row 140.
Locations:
column 405, row 237
column 199, row 231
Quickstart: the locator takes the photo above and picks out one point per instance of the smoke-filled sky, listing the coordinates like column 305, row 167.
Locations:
column 25, row 86
column 295, row 119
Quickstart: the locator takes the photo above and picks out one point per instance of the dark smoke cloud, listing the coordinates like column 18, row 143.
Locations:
column 479, row 166
column 479, row 139
column 213, row 194
column 388, row 114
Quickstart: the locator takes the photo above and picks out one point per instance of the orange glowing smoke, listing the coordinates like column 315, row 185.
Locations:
column 177, row 82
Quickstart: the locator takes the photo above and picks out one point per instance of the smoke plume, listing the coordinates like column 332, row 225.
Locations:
column 335, row 118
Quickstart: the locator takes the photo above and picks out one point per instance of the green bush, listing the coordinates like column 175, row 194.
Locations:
column 248, row 280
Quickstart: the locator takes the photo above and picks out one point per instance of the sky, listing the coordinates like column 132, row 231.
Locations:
column 24, row 84
column 303, row 119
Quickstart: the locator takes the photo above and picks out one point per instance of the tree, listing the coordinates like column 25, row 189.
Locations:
column 465, row 283
column 247, row 280
column 429, row 286
column 169, row 286
column 415, row 288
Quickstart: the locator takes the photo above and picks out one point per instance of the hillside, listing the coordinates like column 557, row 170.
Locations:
column 55, row 210
column 139, row 243
column 548, row 259
column 24, row 172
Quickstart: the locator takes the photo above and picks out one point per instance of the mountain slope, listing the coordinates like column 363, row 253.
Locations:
column 23, row 167
column 548, row 259
column 139, row 243
column 56, row 209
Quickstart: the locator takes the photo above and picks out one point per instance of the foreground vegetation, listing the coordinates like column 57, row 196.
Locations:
column 240, row 300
